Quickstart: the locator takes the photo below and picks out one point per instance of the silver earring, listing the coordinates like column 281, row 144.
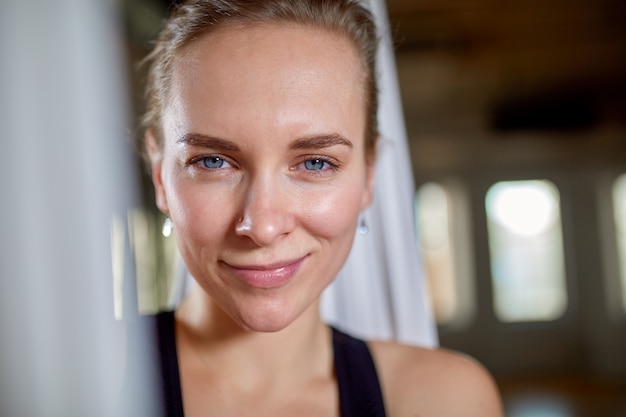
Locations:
column 363, row 229
column 167, row 228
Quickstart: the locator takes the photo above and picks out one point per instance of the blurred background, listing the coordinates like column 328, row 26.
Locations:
column 516, row 117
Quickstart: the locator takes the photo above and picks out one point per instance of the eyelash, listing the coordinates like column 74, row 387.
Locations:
column 200, row 159
column 332, row 164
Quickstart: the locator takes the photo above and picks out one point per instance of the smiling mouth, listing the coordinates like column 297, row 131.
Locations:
column 267, row 276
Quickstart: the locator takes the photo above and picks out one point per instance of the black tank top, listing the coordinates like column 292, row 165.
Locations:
column 359, row 390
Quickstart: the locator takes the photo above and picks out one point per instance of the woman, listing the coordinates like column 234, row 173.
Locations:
column 261, row 134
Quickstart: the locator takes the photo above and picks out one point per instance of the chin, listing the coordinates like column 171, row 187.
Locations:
column 267, row 318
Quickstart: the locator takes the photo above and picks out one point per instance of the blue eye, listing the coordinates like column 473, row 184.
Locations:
column 213, row 162
column 315, row 164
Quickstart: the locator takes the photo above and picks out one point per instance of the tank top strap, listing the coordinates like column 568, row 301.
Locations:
column 170, row 373
column 360, row 394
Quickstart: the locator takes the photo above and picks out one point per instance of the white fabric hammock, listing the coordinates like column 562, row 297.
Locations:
column 381, row 292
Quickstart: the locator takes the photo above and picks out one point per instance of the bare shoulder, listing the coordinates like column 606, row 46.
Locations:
column 419, row 382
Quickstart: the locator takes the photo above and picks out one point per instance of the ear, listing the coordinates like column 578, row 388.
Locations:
column 155, row 153
column 368, row 193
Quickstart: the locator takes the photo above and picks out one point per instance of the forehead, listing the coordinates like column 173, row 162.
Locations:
column 267, row 68
column 248, row 42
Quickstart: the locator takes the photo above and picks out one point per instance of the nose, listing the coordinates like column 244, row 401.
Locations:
column 266, row 214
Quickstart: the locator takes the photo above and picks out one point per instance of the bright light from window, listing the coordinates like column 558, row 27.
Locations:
column 433, row 215
column 525, row 208
column 526, row 248
column 443, row 239
column 619, row 205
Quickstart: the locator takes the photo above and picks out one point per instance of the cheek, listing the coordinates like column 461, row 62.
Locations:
column 333, row 213
column 200, row 214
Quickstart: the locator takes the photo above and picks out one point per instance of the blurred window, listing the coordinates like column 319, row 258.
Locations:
column 526, row 248
column 443, row 237
column 155, row 258
column 619, row 204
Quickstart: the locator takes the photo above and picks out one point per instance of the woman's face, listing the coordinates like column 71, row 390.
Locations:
column 262, row 169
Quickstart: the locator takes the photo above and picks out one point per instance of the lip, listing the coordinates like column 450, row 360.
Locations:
column 267, row 276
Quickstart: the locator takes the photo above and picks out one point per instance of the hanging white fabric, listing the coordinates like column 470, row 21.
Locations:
column 66, row 171
column 381, row 292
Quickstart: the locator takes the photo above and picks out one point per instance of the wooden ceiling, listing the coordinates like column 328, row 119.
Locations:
column 475, row 72
column 536, row 41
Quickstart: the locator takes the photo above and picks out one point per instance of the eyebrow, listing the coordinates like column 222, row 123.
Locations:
column 204, row 141
column 313, row 142
column 320, row 141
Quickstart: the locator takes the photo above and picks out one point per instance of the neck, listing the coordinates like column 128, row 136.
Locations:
column 301, row 350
